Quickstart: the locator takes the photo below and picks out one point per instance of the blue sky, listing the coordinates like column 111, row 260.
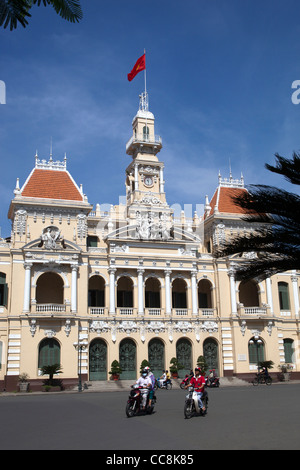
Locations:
column 219, row 76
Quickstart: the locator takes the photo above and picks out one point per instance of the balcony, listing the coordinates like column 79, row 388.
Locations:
column 255, row 311
column 143, row 139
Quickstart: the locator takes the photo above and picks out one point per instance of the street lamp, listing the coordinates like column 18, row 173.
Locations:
column 257, row 341
column 79, row 347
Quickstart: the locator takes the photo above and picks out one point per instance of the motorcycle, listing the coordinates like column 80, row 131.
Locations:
column 214, row 382
column 191, row 405
column 134, row 402
column 185, row 381
column 159, row 384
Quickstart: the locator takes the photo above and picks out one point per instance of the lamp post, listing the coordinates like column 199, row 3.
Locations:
column 257, row 341
column 79, row 347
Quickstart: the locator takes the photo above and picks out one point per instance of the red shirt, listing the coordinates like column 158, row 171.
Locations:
column 198, row 383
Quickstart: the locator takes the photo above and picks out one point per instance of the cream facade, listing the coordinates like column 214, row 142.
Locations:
column 134, row 282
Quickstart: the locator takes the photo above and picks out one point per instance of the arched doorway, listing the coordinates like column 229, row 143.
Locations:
column 184, row 355
column 125, row 292
column 152, row 293
column 156, row 356
column 248, row 294
column 210, row 353
column 179, row 300
column 98, row 360
column 127, row 359
column 50, row 289
column 49, row 352
column 96, row 296
column 204, row 294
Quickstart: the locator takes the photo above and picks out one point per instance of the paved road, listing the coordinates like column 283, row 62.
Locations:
column 238, row 418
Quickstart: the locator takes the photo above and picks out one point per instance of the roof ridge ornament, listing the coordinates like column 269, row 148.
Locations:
column 231, row 182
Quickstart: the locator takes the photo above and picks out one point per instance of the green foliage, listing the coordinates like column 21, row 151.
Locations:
column 202, row 364
column 52, row 370
column 14, row 12
column 275, row 212
column 266, row 364
column 115, row 368
column 176, row 366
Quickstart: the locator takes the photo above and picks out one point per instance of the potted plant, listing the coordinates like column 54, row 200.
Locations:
column 202, row 364
column 175, row 367
column 144, row 364
column 52, row 370
column 115, row 370
column 23, row 382
column 285, row 371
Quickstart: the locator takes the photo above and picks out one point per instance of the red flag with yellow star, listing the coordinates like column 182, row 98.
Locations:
column 139, row 66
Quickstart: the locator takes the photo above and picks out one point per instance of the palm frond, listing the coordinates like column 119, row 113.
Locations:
column 13, row 12
column 69, row 10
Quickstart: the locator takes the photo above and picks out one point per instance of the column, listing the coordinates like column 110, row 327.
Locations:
column 112, row 302
column 136, row 178
column 74, row 288
column 168, row 291
column 296, row 294
column 194, row 293
column 161, row 180
column 231, row 275
column 140, row 291
column 26, row 303
column 269, row 295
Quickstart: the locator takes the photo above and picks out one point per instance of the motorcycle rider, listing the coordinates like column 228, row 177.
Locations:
column 152, row 378
column 198, row 382
column 145, row 382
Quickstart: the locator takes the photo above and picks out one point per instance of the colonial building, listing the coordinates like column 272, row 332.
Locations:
column 135, row 282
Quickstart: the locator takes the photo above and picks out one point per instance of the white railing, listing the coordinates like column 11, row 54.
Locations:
column 126, row 311
column 50, row 308
column 206, row 312
column 153, row 311
column 155, row 139
column 255, row 310
column 181, row 311
column 97, row 310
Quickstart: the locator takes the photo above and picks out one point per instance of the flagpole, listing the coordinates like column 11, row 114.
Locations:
column 145, row 75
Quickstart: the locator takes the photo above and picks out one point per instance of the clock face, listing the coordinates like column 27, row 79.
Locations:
column 148, row 181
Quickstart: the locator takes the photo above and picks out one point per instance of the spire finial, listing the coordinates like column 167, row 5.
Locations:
column 51, row 149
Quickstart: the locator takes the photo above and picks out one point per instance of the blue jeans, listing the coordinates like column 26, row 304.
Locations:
column 200, row 394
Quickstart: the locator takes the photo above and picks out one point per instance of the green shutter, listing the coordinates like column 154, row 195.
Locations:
column 288, row 350
column 283, row 292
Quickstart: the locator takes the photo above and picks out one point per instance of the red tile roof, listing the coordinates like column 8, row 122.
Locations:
column 223, row 199
column 51, row 184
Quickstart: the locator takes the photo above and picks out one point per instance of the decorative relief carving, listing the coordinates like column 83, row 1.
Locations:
column 51, row 238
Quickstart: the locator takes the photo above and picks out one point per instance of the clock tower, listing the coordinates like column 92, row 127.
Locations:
column 145, row 174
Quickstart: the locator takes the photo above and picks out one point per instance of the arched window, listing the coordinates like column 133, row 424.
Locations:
column 3, row 290
column 256, row 350
column 204, row 294
column 49, row 352
column 179, row 293
column 288, row 350
column 125, row 292
column 50, row 289
column 96, row 292
column 284, row 298
column 248, row 294
column 145, row 133
column 152, row 293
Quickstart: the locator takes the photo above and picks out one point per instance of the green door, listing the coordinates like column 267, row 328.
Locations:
column 128, row 359
column 98, row 360
column 210, row 350
column 156, row 356
column 184, row 356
